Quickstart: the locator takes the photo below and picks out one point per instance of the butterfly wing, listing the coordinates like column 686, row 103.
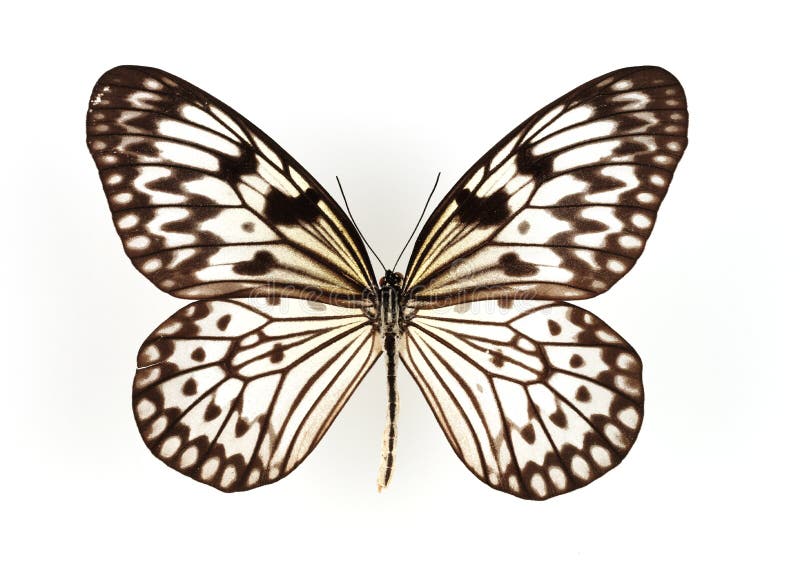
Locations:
column 237, row 393
column 207, row 205
column 562, row 206
column 537, row 398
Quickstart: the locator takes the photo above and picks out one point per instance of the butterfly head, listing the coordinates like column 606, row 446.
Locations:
column 393, row 279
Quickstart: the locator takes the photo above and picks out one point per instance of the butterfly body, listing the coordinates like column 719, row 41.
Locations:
column 535, row 395
column 390, row 328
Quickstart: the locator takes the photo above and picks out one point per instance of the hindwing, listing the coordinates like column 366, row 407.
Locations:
column 236, row 394
column 537, row 398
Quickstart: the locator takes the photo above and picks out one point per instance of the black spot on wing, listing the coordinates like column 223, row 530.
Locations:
column 284, row 209
column 528, row 433
column 212, row 411
column 276, row 355
column 259, row 265
column 241, row 427
column 579, row 224
column 223, row 322
column 630, row 147
column 559, row 418
column 234, row 169
column 539, row 167
column 143, row 148
column 576, row 361
column 583, row 394
column 497, row 358
column 189, row 388
column 483, row 211
column 512, row 265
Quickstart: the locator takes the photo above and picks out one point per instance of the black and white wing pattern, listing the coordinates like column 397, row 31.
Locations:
column 237, row 393
column 562, row 206
column 207, row 205
column 537, row 398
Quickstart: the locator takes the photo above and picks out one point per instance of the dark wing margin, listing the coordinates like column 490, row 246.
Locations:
column 562, row 206
column 537, row 398
column 235, row 393
column 207, row 205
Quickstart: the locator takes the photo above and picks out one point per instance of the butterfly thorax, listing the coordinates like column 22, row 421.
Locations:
column 390, row 306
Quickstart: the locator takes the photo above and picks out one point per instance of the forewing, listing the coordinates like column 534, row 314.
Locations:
column 237, row 394
column 536, row 398
column 562, row 206
column 206, row 204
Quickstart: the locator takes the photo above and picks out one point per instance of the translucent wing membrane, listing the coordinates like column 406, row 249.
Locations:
column 536, row 398
column 562, row 206
column 209, row 206
column 237, row 394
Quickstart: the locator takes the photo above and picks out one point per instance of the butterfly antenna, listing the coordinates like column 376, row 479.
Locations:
column 353, row 220
column 414, row 231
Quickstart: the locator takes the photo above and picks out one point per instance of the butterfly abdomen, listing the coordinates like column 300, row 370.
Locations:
column 390, row 431
column 390, row 325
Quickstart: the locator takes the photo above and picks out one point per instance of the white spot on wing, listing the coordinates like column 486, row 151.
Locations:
column 575, row 135
column 210, row 468
column 601, row 456
column 151, row 83
column 127, row 221
column 189, row 457
column 538, row 485
column 503, row 153
column 228, row 476
column 629, row 417
column 145, row 409
column 298, row 179
column 475, row 180
column 580, row 467
column 200, row 117
column 138, row 242
column 187, row 155
column 143, row 99
column 268, row 153
column 197, row 136
column 541, row 123
column 558, row 478
column 577, row 115
column 585, row 155
column 170, row 446
column 226, row 119
column 635, row 100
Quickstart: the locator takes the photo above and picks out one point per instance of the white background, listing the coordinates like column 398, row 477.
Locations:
column 385, row 97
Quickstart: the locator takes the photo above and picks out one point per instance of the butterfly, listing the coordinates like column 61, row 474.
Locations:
column 536, row 396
